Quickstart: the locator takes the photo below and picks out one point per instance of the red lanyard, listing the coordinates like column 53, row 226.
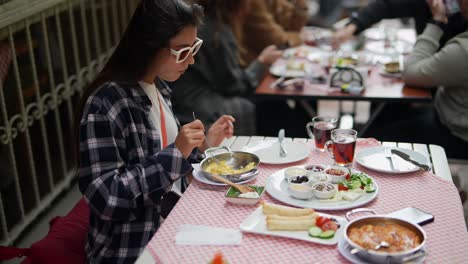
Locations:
column 163, row 122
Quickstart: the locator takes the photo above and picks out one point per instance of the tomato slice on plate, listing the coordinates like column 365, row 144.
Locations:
column 330, row 225
column 321, row 220
column 341, row 187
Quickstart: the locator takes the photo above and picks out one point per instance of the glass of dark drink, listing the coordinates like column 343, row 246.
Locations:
column 342, row 146
column 320, row 130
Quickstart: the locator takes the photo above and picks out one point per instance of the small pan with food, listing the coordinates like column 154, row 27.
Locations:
column 384, row 239
column 235, row 166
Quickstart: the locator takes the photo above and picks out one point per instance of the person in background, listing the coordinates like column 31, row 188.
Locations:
column 130, row 147
column 217, row 84
column 386, row 9
column 430, row 65
column 277, row 22
column 272, row 22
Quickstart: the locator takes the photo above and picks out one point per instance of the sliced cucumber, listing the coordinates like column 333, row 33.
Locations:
column 363, row 179
column 315, row 231
column 327, row 234
column 369, row 188
column 355, row 184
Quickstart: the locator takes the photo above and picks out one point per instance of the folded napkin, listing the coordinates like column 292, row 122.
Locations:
column 207, row 235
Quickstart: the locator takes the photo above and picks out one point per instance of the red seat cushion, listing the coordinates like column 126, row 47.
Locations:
column 65, row 242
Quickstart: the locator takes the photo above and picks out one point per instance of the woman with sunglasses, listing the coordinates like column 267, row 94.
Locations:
column 130, row 147
column 217, row 84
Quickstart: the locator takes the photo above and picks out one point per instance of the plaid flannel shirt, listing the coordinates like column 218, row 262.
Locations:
column 123, row 171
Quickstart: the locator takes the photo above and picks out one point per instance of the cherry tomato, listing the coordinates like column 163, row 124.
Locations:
column 218, row 258
column 342, row 187
column 347, row 176
column 321, row 220
column 330, row 225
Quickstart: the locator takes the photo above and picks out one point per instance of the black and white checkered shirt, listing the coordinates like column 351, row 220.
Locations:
column 123, row 171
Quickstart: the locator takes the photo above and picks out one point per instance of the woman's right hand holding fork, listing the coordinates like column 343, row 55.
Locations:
column 192, row 135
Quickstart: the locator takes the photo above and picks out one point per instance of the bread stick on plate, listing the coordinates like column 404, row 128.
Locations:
column 276, row 209
column 290, row 225
column 292, row 218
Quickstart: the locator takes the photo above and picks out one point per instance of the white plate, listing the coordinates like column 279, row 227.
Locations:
column 256, row 223
column 344, row 248
column 374, row 159
column 277, row 187
column 307, row 54
column 383, row 72
column 269, row 153
column 375, row 33
column 279, row 68
column 198, row 175
column 380, row 47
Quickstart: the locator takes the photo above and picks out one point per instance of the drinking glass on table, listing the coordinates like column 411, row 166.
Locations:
column 342, row 146
column 321, row 130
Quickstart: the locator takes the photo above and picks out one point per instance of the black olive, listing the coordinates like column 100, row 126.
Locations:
column 296, row 180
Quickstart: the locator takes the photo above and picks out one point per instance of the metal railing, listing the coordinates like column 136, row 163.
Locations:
column 49, row 51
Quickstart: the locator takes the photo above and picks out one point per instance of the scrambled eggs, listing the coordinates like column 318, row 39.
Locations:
column 224, row 169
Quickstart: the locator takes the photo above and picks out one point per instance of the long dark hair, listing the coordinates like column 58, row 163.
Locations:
column 150, row 29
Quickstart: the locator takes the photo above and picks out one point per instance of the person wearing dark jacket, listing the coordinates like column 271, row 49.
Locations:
column 445, row 122
column 217, row 84
column 388, row 9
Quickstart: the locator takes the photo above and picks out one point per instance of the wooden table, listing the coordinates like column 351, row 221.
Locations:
column 378, row 89
column 435, row 153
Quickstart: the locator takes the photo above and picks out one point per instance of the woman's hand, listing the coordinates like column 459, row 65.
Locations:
column 221, row 129
column 189, row 137
column 438, row 10
column 269, row 55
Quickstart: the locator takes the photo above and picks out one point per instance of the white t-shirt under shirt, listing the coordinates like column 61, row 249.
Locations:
column 155, row 96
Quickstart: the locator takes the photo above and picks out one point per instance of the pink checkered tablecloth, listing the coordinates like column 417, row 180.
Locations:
column 447, row 235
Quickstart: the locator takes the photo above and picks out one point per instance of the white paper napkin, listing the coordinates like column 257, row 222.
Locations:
column 206, row 235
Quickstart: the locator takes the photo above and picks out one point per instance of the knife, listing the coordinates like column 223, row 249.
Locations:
column 283, row 151
column 407, row 157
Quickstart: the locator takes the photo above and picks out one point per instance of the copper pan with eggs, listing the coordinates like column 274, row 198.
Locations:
column 235, row 166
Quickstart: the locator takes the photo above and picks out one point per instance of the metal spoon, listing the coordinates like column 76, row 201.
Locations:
column 382, row 244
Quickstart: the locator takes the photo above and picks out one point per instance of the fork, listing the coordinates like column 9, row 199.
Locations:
column 206, row 141
column 206, row 138
column 283, row 152
column 388, row 154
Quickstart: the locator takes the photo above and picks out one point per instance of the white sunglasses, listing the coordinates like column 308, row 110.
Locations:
column 184, row 53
